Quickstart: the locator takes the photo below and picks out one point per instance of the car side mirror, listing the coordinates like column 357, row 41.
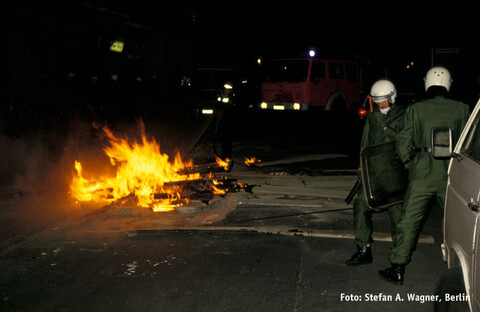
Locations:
column 442, row 141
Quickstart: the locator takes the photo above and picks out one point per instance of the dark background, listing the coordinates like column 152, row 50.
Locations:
column 57, row 65
column 56, row 91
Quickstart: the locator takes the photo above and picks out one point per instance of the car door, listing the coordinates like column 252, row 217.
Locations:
column 472, row 150
column 463, row 199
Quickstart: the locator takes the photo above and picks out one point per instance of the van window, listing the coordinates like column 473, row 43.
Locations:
column 335, row 70
column 318, row 71
column 472, row 146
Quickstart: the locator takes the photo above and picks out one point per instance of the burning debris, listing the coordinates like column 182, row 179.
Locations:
column 218, row 165
column 144, row 172
column 226, row 164
column 205, row 189
column 251, row 161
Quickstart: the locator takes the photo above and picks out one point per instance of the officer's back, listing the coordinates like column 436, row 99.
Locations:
column 415, row 140
column 436, row 112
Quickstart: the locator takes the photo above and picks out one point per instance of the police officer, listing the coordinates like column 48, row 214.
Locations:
column 382, row 125
column 427, row 175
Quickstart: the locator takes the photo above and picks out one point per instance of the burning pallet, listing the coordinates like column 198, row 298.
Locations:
column 205, row 189
column 144, row 172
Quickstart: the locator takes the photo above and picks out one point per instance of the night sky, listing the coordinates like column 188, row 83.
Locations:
column 245, row 28
column 53, row 51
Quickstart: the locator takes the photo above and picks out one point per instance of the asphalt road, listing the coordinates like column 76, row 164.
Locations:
column 280, row 248
column 203, row 271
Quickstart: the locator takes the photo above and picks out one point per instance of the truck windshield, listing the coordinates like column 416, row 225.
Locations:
column 211, row 78
column 286, row 71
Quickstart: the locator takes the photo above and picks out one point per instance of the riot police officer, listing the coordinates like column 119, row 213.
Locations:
column 427, row 175
column 382, row 125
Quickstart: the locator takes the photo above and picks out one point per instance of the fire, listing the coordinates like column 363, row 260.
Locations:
column 142, row 171
column 252, row 160
column 217, row 190
column 225, row 164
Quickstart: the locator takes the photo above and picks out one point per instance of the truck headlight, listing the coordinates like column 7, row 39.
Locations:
column 207, row 111
column 296, row 106
column 263, row 105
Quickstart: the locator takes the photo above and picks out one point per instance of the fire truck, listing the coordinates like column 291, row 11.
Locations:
column 306, row 83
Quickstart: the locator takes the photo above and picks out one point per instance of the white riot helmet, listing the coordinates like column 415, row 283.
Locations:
column 383, row 90
column 438, row 76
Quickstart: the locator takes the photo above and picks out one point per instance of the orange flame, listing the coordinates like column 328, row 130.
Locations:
column 142, row 170
column 217, row 190
column 252, row 160
column 223, row 163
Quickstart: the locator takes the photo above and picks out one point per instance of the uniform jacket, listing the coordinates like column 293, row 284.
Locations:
column 419, row 119
column 373, row 132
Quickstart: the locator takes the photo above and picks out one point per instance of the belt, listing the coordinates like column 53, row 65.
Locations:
column 423, row 149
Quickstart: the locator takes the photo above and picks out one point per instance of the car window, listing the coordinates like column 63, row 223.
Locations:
column 471, row 146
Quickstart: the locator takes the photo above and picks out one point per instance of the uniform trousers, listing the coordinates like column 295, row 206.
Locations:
column 362, row 218
column 417, row 198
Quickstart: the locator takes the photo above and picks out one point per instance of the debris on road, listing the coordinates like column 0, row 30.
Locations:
column 131, row 267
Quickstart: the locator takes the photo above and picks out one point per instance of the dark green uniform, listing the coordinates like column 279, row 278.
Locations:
column 428, row 176
column 379, row 128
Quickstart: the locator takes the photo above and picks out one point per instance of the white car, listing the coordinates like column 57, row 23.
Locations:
column 461, row 249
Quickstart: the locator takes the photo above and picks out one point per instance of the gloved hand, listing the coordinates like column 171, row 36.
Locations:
column 397, row 162
column 379, row 119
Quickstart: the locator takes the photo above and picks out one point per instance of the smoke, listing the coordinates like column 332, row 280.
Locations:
column 35, row 173
column 37, row 169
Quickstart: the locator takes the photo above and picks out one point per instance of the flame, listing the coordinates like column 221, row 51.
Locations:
column 252, row 160
column 142, row 170
column 217, row 190
column 223, row 163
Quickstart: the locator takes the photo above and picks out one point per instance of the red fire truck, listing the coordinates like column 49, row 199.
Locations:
column 304, row 83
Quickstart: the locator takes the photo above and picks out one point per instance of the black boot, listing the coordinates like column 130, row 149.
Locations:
column 394, row 274
column 362, row 256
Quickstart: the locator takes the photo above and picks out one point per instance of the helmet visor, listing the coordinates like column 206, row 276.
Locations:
column 381, row 98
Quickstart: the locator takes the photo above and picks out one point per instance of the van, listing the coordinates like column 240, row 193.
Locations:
column 460, row 284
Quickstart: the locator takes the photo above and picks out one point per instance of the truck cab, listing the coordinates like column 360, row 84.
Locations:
column 305, row 83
